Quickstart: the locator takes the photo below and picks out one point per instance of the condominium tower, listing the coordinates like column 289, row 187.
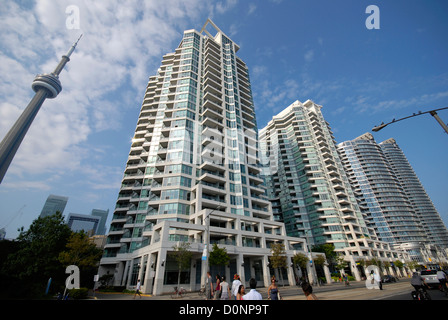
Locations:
column 392, row 198
column 193, row 176
column 309, row 188
column 433, row 227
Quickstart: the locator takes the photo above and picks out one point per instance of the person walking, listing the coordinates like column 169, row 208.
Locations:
column 241, row 292
column 308, row 291
column 273, row 293
column 441, row 276
column 253, row 293
column 137, row 289
column 377, row 278
column 346, row 279
column 235, row 285
column 208, row 287
column 217, row 294
column 225, row 289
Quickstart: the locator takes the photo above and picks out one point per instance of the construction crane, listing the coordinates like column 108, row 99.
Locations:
column 17, row 214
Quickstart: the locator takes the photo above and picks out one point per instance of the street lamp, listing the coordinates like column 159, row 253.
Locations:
column 431, row 112
column 313, row 268
column 206, row 254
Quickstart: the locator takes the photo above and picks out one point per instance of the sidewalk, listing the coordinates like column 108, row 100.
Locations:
column 335, row 291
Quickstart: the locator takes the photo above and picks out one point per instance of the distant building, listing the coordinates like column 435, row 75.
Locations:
column 103, row 215
column 87, row 223
column 2, row 234
column 53, row 204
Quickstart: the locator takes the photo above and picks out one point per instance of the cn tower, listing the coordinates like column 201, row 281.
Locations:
column 45, row 86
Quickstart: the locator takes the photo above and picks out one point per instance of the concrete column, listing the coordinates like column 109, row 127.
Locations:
column 240, row 267
column 354, row 268
column 266, row 273
column 160, row 272
column 327, row 273
column 290, row 268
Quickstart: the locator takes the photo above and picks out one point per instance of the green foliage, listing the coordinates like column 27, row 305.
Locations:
column 218, row 256
column 328, row 249
column 43, row 252
column 80, row 251
column 38, row 249
column 398, row 264
column 278, row 258
column 182, row 255
column 300, row 259
column 78, row 294
column 319, row 260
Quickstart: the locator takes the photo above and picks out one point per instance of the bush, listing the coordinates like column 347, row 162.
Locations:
column 78, row 294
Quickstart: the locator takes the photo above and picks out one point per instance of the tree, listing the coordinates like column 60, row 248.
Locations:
column 328, row 249
column 182, row 255
column 341, row 263
column 218, row 256
column 301, row 260
column 278, row 258
column 81, row 252
column 36, row 259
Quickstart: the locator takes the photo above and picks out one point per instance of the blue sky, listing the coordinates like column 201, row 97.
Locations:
column 296, row 50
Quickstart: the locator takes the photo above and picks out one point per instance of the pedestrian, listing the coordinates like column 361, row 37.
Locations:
column 441, row 276
column 308, row 291
column 235, row 285
column 273, row 293
column 346, row 280
column 225, row 289
column 137, row 289
column 253, row 293
column 208, row 287
column 377, row 278
column 241, row 292
column 217, row 294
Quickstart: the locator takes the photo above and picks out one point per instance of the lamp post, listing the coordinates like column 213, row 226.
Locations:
column 206, row 254
column 313, row 268
column 431, row 112
column 45, row 86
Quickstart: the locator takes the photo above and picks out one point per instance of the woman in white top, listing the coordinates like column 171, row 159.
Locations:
column 225, row 289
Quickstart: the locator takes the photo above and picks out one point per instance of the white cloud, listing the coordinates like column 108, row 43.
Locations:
column 309, row 55
column 252, row 8
column 122, row 45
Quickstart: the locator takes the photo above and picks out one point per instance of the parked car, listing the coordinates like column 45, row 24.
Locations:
column 388, row 278
column 430, row 277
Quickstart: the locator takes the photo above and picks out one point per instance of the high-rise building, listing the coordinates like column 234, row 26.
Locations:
column 309, row 188
column 53, row 204
column 392, row 198
column 433, row 226
column 101, row 230
column 193, row 175
column 83, row 222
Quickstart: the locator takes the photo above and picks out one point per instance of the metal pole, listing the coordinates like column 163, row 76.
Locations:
column 432, row 112
column 436, row 116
